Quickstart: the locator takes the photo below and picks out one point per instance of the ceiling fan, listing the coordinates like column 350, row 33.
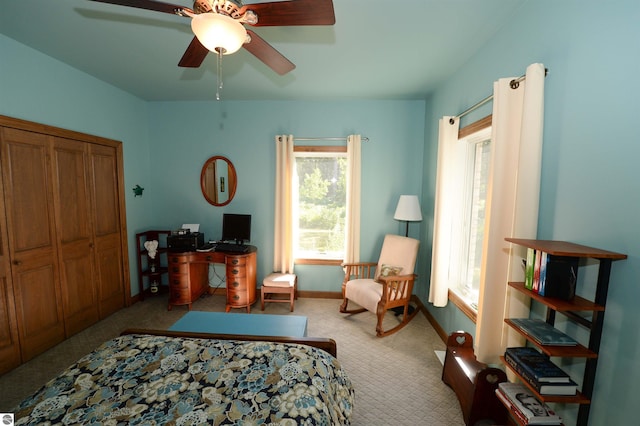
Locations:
column 219, row 25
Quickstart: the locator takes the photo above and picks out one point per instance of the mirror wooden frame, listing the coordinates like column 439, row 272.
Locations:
column 212, row 184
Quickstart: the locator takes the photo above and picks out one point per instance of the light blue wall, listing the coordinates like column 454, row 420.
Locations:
column 184, row 135
column 590, row 191
column 37, row 88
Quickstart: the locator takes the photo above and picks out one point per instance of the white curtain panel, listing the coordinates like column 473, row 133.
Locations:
column 283, row 230
column 352, row 234
column 512, row 201
column 444, row 210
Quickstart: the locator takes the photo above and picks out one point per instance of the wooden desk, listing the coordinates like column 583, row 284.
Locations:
column 189, row 277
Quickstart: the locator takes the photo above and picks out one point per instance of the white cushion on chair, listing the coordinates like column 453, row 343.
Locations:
column 365, row 292
column 279, row 280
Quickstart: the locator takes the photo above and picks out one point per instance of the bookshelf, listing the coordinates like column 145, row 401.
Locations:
column 151, row 270
column 571, row 309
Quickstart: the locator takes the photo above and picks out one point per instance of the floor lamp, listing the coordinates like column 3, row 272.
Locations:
column 408, row 210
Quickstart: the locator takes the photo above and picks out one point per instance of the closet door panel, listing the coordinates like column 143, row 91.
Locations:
column 72, row 201
column 109, row 261
column 9, row 342
column 107, row 229
column 40, row 318
column 32, row 240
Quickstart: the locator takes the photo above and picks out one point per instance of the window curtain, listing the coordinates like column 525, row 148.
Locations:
column 283, row 230
column 512, row 208
column 447, row 168
column 512, row 200
column 352, row 234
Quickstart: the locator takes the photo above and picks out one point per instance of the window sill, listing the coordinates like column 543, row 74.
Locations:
column 331, row 262
column 462, row 304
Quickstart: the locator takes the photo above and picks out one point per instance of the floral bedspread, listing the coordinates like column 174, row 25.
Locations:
column 159, row 380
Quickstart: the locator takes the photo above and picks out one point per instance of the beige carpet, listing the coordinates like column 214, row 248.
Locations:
column 396, row 378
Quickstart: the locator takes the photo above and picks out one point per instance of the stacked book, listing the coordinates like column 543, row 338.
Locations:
column 528, row 409
column 542, row 332
column 540, row 372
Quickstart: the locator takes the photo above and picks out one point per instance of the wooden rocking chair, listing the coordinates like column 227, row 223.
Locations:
column 388, row 284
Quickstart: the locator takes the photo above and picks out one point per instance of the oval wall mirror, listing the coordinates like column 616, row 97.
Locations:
column 218, row 180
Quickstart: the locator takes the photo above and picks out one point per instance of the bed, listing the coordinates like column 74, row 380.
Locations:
column 178, row 378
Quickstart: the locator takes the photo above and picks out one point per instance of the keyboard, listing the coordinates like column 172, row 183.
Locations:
column 231, row 248
column 206, row 247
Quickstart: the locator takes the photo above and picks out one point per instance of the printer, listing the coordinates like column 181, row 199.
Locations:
column 180, row 241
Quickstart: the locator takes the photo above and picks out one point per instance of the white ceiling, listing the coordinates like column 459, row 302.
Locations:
column 378, row 49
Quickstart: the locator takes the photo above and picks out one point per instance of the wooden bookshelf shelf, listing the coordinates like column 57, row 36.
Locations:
column 564, row 248
column 576, row 304
column 577, row 351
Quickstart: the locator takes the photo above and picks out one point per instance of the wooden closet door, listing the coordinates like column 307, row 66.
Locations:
column 73, row 220
column 32, row 240
column 107, row 229
column 9, row 343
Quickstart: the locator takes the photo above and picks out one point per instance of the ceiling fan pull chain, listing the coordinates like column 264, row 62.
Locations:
column 219, row 88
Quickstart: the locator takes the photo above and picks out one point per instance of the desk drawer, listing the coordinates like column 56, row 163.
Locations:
column 236, row 271
column 233, row 261
column 176, row 259
column 180, row 296
column 236, row 284
column 178, row 269
column 179, row 281
column 238, row 298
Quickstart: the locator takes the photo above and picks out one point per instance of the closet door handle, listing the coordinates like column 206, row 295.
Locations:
column 17, row 262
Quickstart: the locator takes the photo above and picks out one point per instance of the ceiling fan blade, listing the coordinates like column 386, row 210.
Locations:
column 267, row 54
column 173, row 9
column 194, row 55
column 293, row 12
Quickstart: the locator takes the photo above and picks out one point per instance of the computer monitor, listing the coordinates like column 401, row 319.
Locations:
column 236, row 227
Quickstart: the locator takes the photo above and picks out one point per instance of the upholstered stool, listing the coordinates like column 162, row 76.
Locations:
column 278, row 283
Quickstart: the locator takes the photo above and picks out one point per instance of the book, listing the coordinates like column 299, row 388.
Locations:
column 561, row 388
column 543, row 273
column 561, row 277
column 536, row 271
column 528, row 268
column 537, row 365
column 510, row 407
column 522, row 399
column 542, row 332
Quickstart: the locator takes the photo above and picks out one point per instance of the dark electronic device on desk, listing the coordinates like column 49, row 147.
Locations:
column 182, row 240
column 236, row 232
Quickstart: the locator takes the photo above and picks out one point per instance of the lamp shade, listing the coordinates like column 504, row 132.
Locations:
column 219, row 32
column 408, row 209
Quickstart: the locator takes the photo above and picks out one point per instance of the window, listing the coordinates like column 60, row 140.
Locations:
column 319, row 204
column 469, row 220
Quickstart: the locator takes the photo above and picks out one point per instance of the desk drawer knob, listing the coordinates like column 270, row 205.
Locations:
column 175, row 269
column 235, row 284
column 235, row 272
column 209, row 258
column 236, row 297
column 235, row 261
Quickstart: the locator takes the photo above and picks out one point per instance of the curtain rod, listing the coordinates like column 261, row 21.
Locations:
column 514, row 84
column 363, row 139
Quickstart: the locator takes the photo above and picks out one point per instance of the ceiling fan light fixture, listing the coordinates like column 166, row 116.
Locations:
column 219, row 33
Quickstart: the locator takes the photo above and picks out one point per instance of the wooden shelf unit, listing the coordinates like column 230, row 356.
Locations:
column 145, row 273
column 570, row 309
